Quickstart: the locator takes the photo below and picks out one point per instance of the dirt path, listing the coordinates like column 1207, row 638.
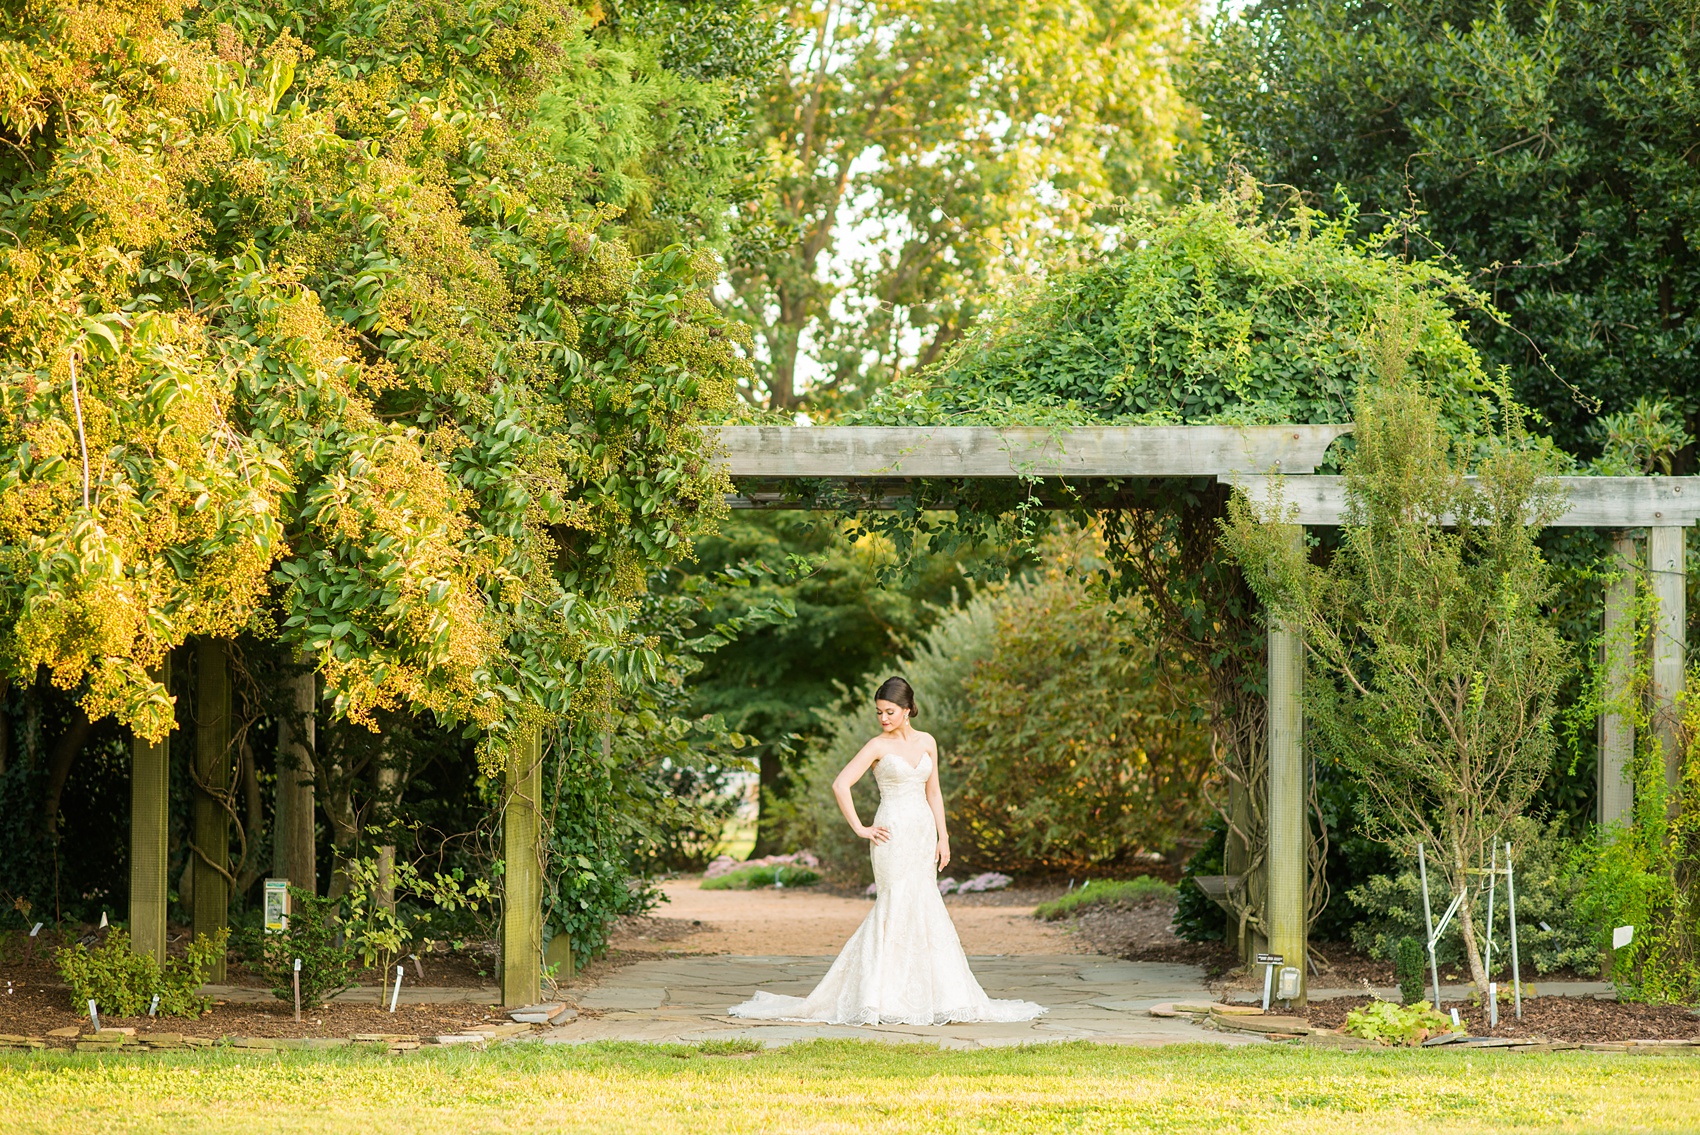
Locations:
column 804, row 921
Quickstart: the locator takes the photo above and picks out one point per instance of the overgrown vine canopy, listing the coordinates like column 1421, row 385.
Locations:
column 304, row 330
column 1208, row 315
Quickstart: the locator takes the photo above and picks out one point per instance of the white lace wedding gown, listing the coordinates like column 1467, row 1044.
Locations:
column 904, row 964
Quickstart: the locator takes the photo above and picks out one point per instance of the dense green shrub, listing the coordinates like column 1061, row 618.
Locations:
column 327, row 963
column 1409, row 963
column 1061, row 744
column 1554, row 930
column 123, row 983
column 1107, row 893
column 1077, row 749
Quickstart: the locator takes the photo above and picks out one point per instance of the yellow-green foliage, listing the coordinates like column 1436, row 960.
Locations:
column 1387, row 1023
column 351, row 367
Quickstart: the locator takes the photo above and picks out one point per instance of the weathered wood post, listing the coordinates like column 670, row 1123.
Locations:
column 1287, row 851
column 522, row 901
column 293, row 852
column 1667, row 568
column 150, row 823
column 211, row 821
column 1617, row 732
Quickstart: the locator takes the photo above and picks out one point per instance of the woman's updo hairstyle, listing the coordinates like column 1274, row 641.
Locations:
column 898, row 693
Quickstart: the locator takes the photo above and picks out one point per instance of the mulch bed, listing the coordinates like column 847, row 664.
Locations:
column 1580, row 1020
column 34, row 1011
column 1145, row 933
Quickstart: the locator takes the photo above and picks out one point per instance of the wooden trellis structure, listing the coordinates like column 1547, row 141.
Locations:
column 1658, row 509
column 765, row 462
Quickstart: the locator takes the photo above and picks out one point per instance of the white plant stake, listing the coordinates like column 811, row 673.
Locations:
column 94, row 1015
column 153, row 1009
column 396, row 996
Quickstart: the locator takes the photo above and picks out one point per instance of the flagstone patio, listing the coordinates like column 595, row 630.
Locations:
column 684, row 1000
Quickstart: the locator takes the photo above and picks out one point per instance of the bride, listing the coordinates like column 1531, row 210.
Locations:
column 904, row 964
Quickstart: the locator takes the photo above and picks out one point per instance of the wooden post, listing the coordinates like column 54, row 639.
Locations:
column 293, row 848
column 150, row 823
column 1666, row 566
column 522, row 900
column 212, row 773
column 1287, row 851
column 1617, row 732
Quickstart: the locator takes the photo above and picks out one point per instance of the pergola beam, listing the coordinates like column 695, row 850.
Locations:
column 1595, row 502
column 990, row 451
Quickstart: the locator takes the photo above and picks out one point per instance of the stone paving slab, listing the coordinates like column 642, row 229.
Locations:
column 685, row 999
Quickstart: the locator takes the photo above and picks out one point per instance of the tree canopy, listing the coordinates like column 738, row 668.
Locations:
column 1549, row 147
column 305, row 328
column 923, row 155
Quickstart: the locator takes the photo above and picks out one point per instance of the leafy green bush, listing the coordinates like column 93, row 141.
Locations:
column 1110, row 892
column 327, row 968
column 124, row 983
column 1387, row 1023
column 378, row 933
column 1060, row 745
column 1554, row 931
column 751, row 878
column 1409, row 960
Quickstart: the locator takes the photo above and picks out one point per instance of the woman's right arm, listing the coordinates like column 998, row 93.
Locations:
column 852, row 772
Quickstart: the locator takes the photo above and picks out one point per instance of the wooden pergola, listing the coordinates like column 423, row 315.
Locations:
column 876, row 464
column 1253, row 458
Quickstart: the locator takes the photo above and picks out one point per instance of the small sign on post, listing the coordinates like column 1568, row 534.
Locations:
column 277, row 906
column 1622, row 936
column 1270, row 963
column 297, row 976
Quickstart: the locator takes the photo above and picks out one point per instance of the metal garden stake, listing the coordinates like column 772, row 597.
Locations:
column 1428, row 922
column 1511, row 908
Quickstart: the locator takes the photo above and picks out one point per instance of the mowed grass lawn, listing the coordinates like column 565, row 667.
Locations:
column 850, row 1087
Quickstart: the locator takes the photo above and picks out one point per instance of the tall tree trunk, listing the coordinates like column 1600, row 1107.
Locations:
column 389, row 780
column 253, row 822
column 5, row 729
column 782, row 387
column 293, row 849
column 338, row 792
column 65, row 753
column 211, row 821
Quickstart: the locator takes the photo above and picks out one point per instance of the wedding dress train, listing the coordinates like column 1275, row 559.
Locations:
column 904, row 964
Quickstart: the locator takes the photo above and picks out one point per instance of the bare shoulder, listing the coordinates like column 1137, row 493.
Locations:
column 926, row 739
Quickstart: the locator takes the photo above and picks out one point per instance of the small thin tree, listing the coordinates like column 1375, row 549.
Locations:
column 1432, row 666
